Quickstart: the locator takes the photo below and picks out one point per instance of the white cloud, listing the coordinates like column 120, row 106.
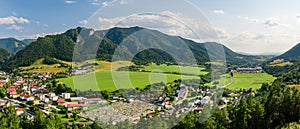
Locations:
column 218, row 11
column 70, row 1
column 35, row 36
column 249, row 19
column 272, row 22
column 104, row 4
column 83, row 22
column 166, row 22
column 13, row 20
column 95, row 2
column 15, row 27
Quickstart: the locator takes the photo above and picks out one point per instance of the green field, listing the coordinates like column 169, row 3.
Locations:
column 248, row 80
column 103, row 80
column 176, row 69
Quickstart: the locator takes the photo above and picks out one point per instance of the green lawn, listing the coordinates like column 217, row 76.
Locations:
column 103, row 80
column 177, row 69
column 247, row 81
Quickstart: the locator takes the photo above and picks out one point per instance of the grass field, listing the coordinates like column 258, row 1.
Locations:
column 104, row 80
column 103, row 77
column 248, row 80
column 39, row 67
column 176, row 69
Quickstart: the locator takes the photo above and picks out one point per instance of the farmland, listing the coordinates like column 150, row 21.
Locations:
column 248, row 80
column 177, row 69
column 103, row 77
column 103, row 80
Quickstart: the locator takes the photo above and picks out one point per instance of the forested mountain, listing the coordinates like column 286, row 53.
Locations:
column 87, row 42
column 293, row 52
column 4, row 55
column 13, row 45
column 286, row 66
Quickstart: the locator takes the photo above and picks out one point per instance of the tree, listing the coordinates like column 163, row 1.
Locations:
column 9, row 119
column 242, row 115
column 39, row 121
column 24, row 123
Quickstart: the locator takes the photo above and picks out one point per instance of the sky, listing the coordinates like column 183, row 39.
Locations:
column 254, row 26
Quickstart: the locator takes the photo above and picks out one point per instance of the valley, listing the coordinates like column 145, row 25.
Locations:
column 80, row 90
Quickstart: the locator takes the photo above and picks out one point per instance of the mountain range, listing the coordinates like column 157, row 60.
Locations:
column 140, row 44
column 13, row 45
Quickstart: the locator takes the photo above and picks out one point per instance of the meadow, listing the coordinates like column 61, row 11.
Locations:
column 249, row 80
column 176, row 69
column 104, row 80
column 107, row 78
column 39, row 67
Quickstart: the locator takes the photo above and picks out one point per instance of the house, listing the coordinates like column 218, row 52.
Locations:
column 2, row 83
column 14, row 95
column 41, row 96
column 77, row 99
column 35, row 102
column 249, row 70
column 69, row 115
column 150, row 115
column 199, row 108
column 93, row 100
column 54, row 98
column 77, row 106
column 19, row 111
column 51, row 94
column 11, row 89
column 129, row 100
column 66, row 95
column 61, row 101
column 115, row 97
column 27, row 97
column 46, row 100
column 3, row 102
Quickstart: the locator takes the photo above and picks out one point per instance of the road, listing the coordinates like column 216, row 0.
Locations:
column 231, row 81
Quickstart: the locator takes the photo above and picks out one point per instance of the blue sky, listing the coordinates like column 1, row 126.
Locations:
column 247, row 26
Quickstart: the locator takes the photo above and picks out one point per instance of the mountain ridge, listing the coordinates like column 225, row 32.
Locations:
column 13, row 45
column 62, row 46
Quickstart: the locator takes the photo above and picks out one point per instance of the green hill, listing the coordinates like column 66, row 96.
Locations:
column 293, row 52
column 88, row 42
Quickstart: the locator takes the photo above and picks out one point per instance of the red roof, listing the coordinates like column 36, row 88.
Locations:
column 77, row 105
column 19, row 109
column 26, row 95
column 61, row 100
column 2, row 83
column 12, row 87
column 200, row 107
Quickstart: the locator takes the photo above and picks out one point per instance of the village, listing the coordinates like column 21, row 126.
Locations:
column 26, row 92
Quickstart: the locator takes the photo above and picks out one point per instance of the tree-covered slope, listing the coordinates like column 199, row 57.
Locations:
column 293, row 52
column 140, row 44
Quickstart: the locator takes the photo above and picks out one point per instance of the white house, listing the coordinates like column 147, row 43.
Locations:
column 66, row 95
